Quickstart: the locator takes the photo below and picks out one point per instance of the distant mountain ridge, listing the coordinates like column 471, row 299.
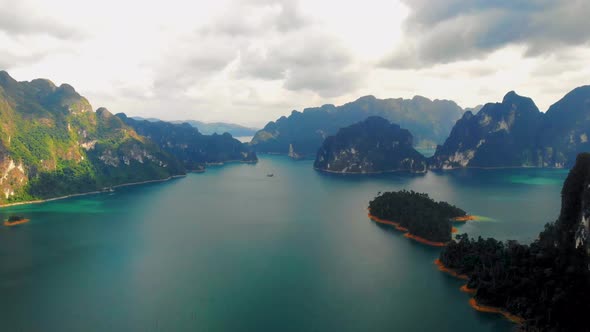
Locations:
column 302, row 133
column 190, row 146
column 514, row 133
column 210, row 128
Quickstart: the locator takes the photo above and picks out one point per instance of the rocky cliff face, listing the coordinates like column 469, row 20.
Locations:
column 573, row 223
column 514, row 133
column 371, row 146
column 566, row 129
column 302, row 133
column 53, row 144
column 499, row 135
column 189, row 145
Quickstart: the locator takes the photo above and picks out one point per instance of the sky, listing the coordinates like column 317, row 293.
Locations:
column 252, row 61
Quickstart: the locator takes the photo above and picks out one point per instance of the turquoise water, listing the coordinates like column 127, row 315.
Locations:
column 234, row 250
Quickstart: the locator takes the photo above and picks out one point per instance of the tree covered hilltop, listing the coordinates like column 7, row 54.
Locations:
column 547, row 283
column 417, row 213
column 371, row 146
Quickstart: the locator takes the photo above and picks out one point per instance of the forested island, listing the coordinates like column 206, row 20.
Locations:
column 424, row 219
column 372, row 146
column 15, row 220
column 546, row 284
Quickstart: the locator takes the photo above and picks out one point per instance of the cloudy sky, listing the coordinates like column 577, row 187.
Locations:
column 250, row 61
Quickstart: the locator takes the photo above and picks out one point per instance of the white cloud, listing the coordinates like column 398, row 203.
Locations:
column 250, row 61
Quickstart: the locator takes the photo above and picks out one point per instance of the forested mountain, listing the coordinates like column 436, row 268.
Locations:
column 210, row 128
column 547, row 283
column 302, row 133
column 514, row 133
column 500, row 134
column 189, row 145
column 566, row 128
column 371, row 146
column 52, row 143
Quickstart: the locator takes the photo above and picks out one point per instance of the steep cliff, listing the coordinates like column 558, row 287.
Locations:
column 514, row 133
column 53, row 144
column 499, row 135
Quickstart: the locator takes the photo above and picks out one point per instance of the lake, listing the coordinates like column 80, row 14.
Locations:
column 234, row 250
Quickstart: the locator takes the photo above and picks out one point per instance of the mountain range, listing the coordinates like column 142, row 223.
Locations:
column 514, row 133
column 53, row 144
column 190, row 146
column 210, row 128
column 301, row 134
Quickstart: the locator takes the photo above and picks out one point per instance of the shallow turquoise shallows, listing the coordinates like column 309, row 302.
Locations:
column 235, row 250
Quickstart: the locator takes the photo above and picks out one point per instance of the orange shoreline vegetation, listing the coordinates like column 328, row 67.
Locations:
column 454, row 230
column 465, row 218
column 452, row 272
column 494, row 310
column 406, row 231
column 468, row 290
column 425, row 241
column 14, row 223
column 472, row 301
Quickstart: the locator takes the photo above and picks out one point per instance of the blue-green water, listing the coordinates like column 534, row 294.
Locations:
column 234, row 250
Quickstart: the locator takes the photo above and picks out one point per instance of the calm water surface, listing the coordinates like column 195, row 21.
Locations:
column 234, row 250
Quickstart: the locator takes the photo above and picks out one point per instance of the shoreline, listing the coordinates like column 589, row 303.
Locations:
column 472, row 301
column 321, row 170
column 495, row 310
column 15, row 223
column 39, row 201
column 466, row 289
column 443, row 268
column 465, row 218
column 221, row 163
column 493, row 167
column 406, row 232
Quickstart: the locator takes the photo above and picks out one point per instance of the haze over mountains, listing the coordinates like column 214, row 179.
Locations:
column 302, row 133
column 210, row 128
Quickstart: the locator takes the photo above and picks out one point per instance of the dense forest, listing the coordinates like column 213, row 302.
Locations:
column 417, row 212
column 546, row 282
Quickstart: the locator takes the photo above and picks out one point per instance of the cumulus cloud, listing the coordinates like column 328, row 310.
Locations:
column 451, row 30
column 265, row 40
column 309, row 60
column 254, row 17
column 19, row 18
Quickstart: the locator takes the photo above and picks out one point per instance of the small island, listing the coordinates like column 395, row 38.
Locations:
column 15, row 220
column 419, row 216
